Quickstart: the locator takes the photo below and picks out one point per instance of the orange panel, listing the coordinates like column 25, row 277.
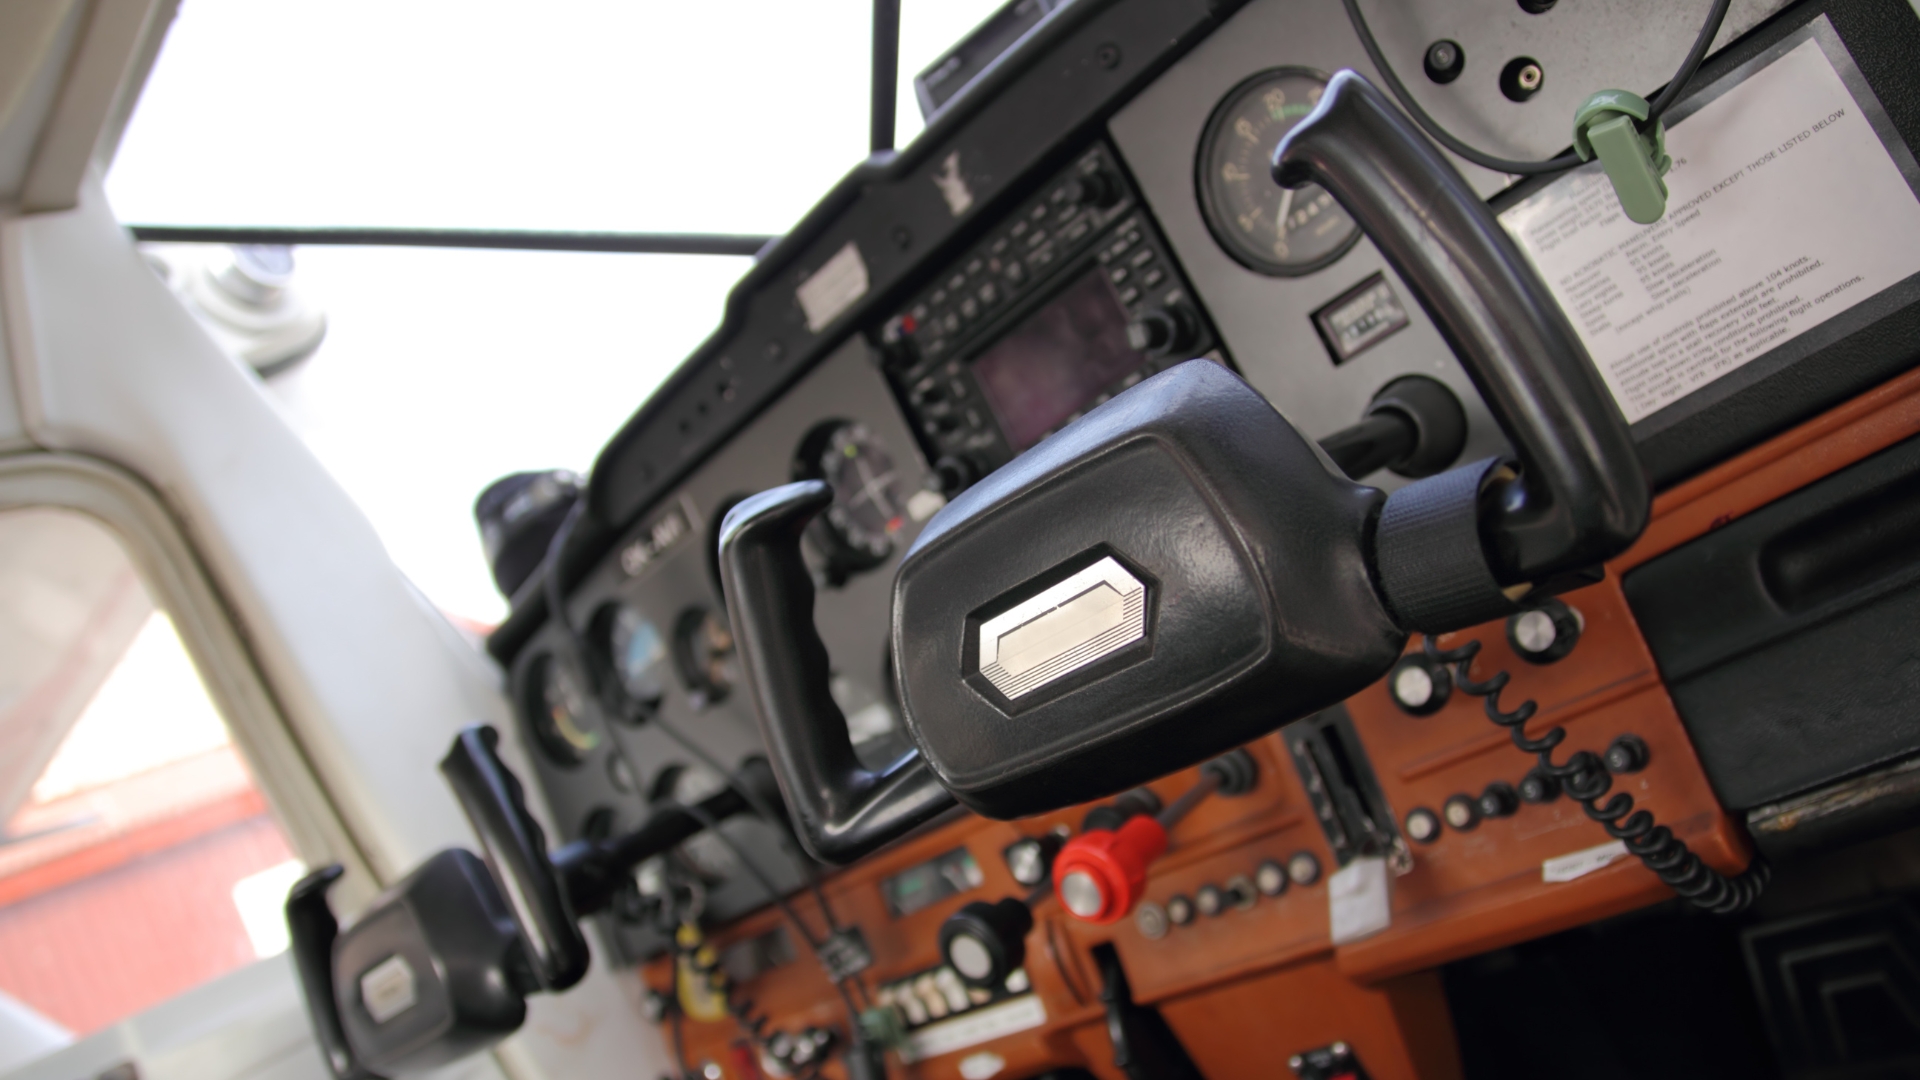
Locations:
column 1248, row 988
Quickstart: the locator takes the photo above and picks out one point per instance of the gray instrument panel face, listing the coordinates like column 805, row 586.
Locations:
column 1266, row 322
column 852, row 622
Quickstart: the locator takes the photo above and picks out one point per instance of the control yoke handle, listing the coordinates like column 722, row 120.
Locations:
column 516, row 849
column 1580, row 496
column 1262, row 587
column 841, row 809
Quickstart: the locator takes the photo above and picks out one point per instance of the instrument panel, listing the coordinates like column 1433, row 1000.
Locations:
column 995, row 306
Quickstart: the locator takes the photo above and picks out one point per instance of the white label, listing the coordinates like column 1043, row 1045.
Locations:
column 1581, row 863
column 1784, row 210
column 984, row 1065
column 923, row 504
column 833, row 288
column 387, row 989
column 1017, row 1014
column 953, row 186
column 1357, row 900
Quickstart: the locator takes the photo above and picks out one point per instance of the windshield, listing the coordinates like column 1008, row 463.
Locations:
column 442, row 370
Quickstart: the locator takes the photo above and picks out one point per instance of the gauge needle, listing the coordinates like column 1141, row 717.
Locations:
column 1286, row 207
column 874, row 488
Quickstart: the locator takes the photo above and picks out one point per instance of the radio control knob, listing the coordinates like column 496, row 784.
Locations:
column 1098, row 189
column 1161, row 332
column 953, row 474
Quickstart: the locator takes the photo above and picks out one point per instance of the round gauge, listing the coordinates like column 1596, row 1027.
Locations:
column 1264, row 226
column 639, row 655
column 556, row 709
column 703, row 651
column 856, row 532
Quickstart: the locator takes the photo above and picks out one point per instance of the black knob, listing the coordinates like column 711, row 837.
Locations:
column 1179, row 910
column 984, row 942
column 1545, row 632
column 1098, row 189
column 1499, row 800
column 1419, row 686
column 1439, row 424
column 1030, row 859
column 954, row 474
column 1539, row 786
column 1444, row 61
column 1462, row 812
column 1130, row 804
column 1627, row 754
column 1240, row 892
column 1161, row 331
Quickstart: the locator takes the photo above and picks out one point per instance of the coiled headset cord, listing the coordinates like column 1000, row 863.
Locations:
column 1585, row 777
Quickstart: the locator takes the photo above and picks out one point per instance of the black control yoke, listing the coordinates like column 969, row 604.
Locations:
column 1180, row 571
column 841, row 809
column 471, row 940
column 1580, row 496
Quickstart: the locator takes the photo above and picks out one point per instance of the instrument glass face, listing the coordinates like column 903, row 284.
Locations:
column 1264, row 226
column 559, row 714
column 868, row 506
column 639, row 655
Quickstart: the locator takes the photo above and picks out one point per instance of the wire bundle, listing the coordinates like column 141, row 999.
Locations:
column 1585, row 778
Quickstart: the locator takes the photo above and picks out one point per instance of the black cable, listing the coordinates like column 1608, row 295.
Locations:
column 712, row 826
column 612, row 698
column 1585, row 777
column 800, row 860
column 1702, row 42
column 680, row 1042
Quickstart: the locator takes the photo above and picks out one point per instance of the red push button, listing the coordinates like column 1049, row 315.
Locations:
column 1100, row 875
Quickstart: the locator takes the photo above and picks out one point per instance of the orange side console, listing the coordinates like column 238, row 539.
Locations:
column 1260, row 978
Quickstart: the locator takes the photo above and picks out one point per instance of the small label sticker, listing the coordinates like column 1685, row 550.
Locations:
column 655, row 540
column 984, row 1065
column 974, row 1028
column 387, row 989
column 1357, row 900
column 923, row 504
column 833, row 288
column 1581, row 863
column 953, row 186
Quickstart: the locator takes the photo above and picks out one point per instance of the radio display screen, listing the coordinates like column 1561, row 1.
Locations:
column 1057, row 360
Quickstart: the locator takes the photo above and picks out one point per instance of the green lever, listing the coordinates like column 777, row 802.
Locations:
column 1608, row 126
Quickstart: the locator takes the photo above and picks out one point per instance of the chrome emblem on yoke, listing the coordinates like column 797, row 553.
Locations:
column 1090, row 615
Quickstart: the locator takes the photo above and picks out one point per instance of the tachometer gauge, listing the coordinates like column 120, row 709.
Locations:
column 856, row 532
column 1264, row 226
column 703, row 651
column 556, row 710
column 640, row 657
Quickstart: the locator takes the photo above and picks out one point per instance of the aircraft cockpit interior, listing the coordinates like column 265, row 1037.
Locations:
column 1331, row 539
